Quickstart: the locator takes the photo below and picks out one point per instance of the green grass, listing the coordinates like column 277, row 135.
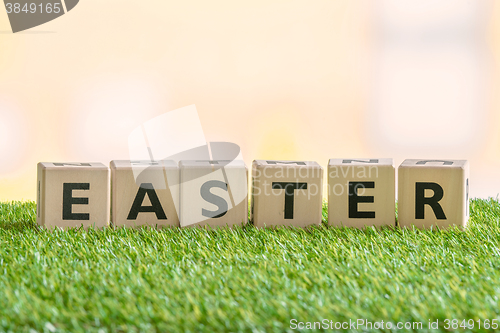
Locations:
column 243, row 279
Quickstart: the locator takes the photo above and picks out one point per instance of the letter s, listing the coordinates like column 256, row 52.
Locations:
column 214, row 199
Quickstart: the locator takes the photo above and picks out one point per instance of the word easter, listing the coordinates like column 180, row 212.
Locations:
column 361, row 192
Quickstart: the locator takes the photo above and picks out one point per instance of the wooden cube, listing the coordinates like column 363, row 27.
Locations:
column 144, row 193
column 71, row 195
column 361, row 192
column 286, row 193
column 433, row 193
column 213, row 193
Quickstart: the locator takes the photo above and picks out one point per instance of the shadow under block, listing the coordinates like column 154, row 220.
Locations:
column 361, row 192
column 71, row 195
column 433, row 193
column 286, row 193
column 144, row 193
column 213, row 193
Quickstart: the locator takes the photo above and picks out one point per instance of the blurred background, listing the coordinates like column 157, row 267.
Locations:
column 282, row 79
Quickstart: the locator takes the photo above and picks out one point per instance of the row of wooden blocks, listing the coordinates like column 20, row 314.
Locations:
column 361, row 192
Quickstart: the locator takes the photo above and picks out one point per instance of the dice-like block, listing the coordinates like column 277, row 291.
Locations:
column 71, row 195
column 433, row 193
column 213, row 193
column 144, row 193
column 286, row 193
column 361, row 192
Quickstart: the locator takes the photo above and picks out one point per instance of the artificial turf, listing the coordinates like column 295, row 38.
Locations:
column 245, row 279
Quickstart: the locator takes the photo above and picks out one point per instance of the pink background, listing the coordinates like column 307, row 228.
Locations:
column 306, row 80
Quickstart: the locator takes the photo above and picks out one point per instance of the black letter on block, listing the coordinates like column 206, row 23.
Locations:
column 72, row 164
column 214, row 199
column 69, row 201
column 360, row 161
column 421, row 200
column 285, row 162
column 354, row 199
column 289, row 195
column 214, row 162
column 137, row 207
column 444, row 162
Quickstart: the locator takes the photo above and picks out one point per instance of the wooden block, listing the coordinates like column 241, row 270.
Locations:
column 213, row 193
column 433, row 193
column 144, row 193
column 286, row 193
column 71, row 195
column 361, row 192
